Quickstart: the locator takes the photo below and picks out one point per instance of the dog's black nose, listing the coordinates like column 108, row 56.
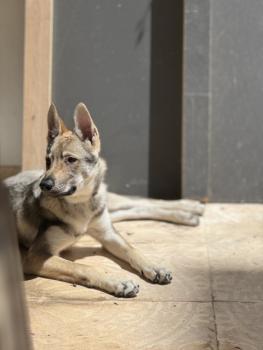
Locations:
column 47, row 184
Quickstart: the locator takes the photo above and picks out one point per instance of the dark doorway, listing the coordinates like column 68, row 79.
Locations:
column 166, row 99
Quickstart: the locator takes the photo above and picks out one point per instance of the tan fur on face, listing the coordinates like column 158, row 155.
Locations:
column 67, row 134
column 67, row 175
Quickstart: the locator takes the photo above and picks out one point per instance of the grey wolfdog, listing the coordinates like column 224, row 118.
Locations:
column 53, row 209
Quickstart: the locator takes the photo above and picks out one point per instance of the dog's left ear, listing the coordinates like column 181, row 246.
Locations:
column 85, row 127
column 56, row 125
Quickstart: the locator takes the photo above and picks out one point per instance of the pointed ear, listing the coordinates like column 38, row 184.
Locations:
column 84, row 125
column 56, row 125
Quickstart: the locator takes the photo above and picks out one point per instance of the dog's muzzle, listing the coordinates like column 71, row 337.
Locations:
column 47, row 184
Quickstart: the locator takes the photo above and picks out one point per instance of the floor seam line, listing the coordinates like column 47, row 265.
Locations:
column 59, row 301
column 212, row 292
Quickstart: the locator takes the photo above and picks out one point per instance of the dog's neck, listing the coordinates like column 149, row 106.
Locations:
column 83, row 195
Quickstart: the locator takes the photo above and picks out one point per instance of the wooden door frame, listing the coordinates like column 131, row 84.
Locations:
column 37, row 75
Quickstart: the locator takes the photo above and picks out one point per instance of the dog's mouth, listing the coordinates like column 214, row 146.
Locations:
column 70, row 191
column 56, row 193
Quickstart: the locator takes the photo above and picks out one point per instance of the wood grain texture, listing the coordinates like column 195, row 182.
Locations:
column 37, row 80
column 13, row 320
column 234, row 236
column 214, row 301
column 240, row 325
column 165, row 244
column 123, row 325
column 161, row 317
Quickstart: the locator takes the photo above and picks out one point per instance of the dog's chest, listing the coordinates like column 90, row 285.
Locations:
column 76, row 216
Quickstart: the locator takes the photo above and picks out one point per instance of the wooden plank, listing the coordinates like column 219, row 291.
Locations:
column 122, row 325
column 223, row 255
column 13, row 321
column 37, row 80
column 178, row 316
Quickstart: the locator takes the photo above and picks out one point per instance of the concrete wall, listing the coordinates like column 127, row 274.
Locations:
column 236, row 168
column 101, row 57
column 11, row 73
column 223, row 118
column 196, row 98
column 123, row 59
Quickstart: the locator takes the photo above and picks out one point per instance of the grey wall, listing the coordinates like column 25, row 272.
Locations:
column 223, row 99
column 11, row 80
column 102, row 57
column 237, row 100
column 196, row 98
column 124, row 60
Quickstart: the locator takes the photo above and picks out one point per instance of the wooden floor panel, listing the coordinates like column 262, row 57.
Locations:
column 215, row 300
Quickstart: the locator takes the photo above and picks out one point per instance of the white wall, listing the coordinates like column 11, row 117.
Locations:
column 11, row 76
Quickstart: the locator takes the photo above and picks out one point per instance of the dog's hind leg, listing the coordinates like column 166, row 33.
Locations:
column 183, row 211
column 154, row 213
column 117, row 202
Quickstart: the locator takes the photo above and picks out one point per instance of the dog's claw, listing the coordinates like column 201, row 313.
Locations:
column 158, row 275
column 127, row 289
column 163, row 277
column 193, row 220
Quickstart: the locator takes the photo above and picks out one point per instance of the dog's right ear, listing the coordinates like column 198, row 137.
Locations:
column 56, row 125
column 85, row 128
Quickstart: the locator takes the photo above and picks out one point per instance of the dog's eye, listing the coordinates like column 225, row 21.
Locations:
column 71, row 159
column 48, row 162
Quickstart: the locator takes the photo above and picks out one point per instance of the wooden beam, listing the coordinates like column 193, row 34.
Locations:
column 14, row 328
column 37, row 80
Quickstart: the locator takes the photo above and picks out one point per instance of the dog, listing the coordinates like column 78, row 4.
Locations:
column 55, row 208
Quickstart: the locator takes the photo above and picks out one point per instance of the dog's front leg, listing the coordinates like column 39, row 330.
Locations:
column 102, row 229
column 41, row 260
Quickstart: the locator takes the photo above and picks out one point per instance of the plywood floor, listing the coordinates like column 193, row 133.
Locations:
column 215, row 300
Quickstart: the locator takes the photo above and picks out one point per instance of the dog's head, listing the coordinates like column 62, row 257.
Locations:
column 72, row 156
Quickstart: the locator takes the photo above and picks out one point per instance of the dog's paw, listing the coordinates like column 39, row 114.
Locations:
column 158, row 275
column 195, row 207
column 192, row 220
column 163, row 276
column 200, row 209
column 126, row 289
